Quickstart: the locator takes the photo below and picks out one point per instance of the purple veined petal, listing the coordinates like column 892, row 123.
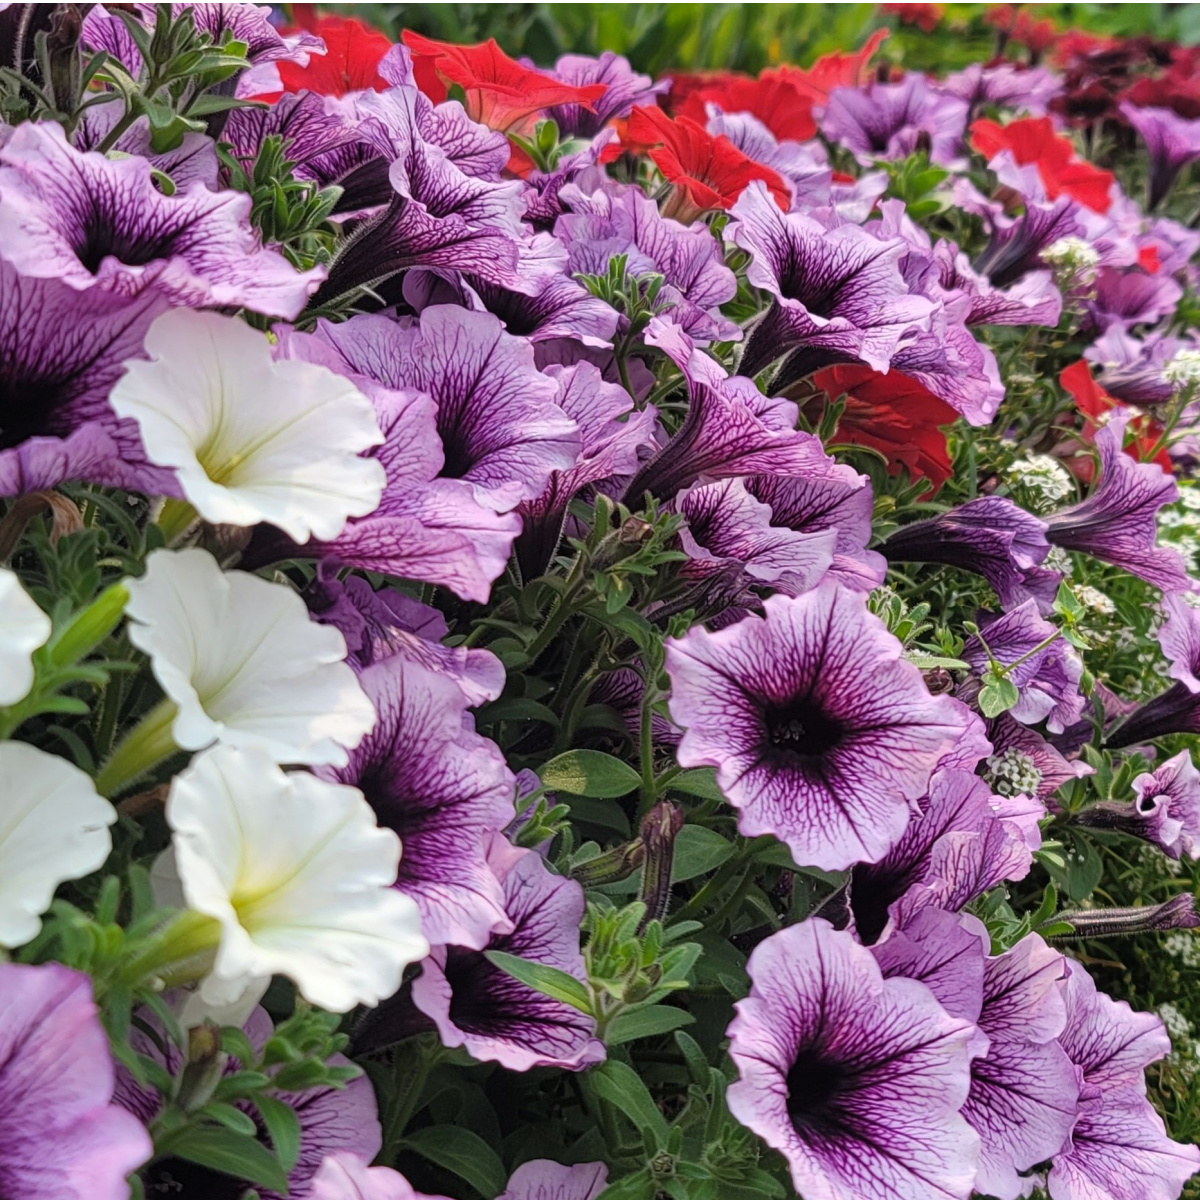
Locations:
column 1133, row 371
column 1116, row 523
column 626, row 88
column 92, row 222
column 804, row 165
column 1031, row 750
column 193, row 161
column 855, row 1078
column 805, row 714
column 542, row 1179
column 496, row 1019
column 443, row 789
column 1123, row 299
column 1015, row 249
column 1171, row 142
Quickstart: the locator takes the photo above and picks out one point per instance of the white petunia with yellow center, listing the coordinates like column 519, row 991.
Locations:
column 24, row 628
column 252, row 438
column 240, row 662
column 53, row 827
column 297, row 878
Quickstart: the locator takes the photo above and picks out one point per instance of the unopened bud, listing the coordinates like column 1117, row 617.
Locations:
column 659, row 829
column 1177, row 913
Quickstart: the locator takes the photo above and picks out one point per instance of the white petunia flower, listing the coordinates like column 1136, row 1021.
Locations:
column 243, row 663
column 53, row 827
column 23, row 629
column 252, row 438
column 298, row 876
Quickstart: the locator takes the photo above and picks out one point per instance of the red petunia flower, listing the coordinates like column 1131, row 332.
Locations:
column 500, row 93
column 895, row 415
column 1033, row 140
column 1148, row 260
column 926, row 17
column 1022, row 27
column 350, row 64
column 708, row 172
column 1178, row 89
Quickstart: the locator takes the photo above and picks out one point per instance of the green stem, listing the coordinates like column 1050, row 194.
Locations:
column 406, row 1104
column 1012, row 666
column 147, row 744
column 186, row 937
column 121, row 127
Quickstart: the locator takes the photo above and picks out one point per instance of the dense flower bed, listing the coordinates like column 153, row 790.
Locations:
column 567, row 634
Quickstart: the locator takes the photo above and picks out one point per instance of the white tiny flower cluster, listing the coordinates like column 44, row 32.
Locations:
column 1042, row 480
column 1184, row 369
column 1095, row 599
column 1178, row 1026
column 1072, row 257
column 1013, row 773
column 1179, row 524
column 1183, row 946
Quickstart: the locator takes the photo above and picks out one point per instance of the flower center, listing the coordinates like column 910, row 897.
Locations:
column 813, row 1085
column 178, row 1179
column 100, row 240
column 801, row 728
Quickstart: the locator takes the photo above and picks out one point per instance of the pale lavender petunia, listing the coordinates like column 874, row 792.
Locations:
column 443, row 789
column 543, row 1179
column 486, row 1011
column 625, row 88
column 837, row 291
column 990, row 536
column 92, row 222
column 1172, row 142
column 1116, row 522
column 194, row 160
column 1119, row 1148
column 805, row 165
column 346, row 1176
column 892, row 120
column 856, row 1079
column 1006, row 85
column 1038, row 662
column 821, row 734
column 63, row 1138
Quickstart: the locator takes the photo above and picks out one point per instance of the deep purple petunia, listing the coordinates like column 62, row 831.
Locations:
column 1123, row 299
column 563, row 308
column 543, row 1179
column 1116, row 523
column 891, row 120
column 332, row 1120
column 443, row 789
column 92, row 222
column 1119, row 1148
column 481, row 1008
column 1015, row 248
column 836, row 290
column 1171, row 141
column 1047, row 679
column 822, row 735
column 856, row 1079
column 1024, row 1095
column 990, row 536
column 626, row 88
column 63, row 1138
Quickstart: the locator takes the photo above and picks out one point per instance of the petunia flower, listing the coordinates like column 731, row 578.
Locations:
column 1022, row 761
column 489, row 1013
column 296, row 878
column 1024, row 1093
column 783, row 106
column 1004, row 84
column 1119, row 1148
column 24, row 628
column 353, row 52
column 55, row 828
column 834, row 289
column 500, row 93
column 856, row 1079
column 1116, row 522
column 707, row 172
column 64, row 1139
column 241, row 663
column 542, row 1179
column 1130, row 371
column 990, row 536
column 345, row 1176
column 1032, row 300
column 443, row 789
column 251, row 437
column 1171, row 143
column 625, row 88
column 1016, row 247
column 890, row 120
column 821, row 734
column 93, row 222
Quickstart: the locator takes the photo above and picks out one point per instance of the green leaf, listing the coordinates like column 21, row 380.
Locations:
column 633, row 1187
column 462, row 1152
column 928, row 662
column 231, row 1153
column 997, row 695
column 547, row 980
column 698, row 850
column 231, row 1118
column 589, row 773
column 700, row 782
column 623, row 1088
column 283, row 1128
column 646, row 1022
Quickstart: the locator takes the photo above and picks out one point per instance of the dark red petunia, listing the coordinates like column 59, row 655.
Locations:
column 708, row 171
column 351, row 61
column 1033, row 140
column 1177, row 89
column 499, row 92
column 926, row 17
column 1022, row 27
column 895, row 415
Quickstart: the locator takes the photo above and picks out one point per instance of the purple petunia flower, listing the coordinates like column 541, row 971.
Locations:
column 1046, row 679
column 1031, row 300
column 821, row 734
column 481, row 1008
column 856, row 1079
column 1171, row 142
column 1021, row 755
column 1015, row 248
column 626, row 88
column 990, row 536
column 332, row 1120
column 837, row 291
column 1119, row 1148
column 891, row 120
column 194, row 160
column 1123, row 299
column 64, row 1139
column 1024, row 1095
column 347, row 1177
column 1006, row 85
column 1116, row 523
column 1133, row 371
column 443, row 789
column 92, row 222
column 543, row 1179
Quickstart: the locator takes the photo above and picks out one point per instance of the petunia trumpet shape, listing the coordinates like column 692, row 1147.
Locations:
column 856, row 1079
column 1171, row 142
column 821, row 734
